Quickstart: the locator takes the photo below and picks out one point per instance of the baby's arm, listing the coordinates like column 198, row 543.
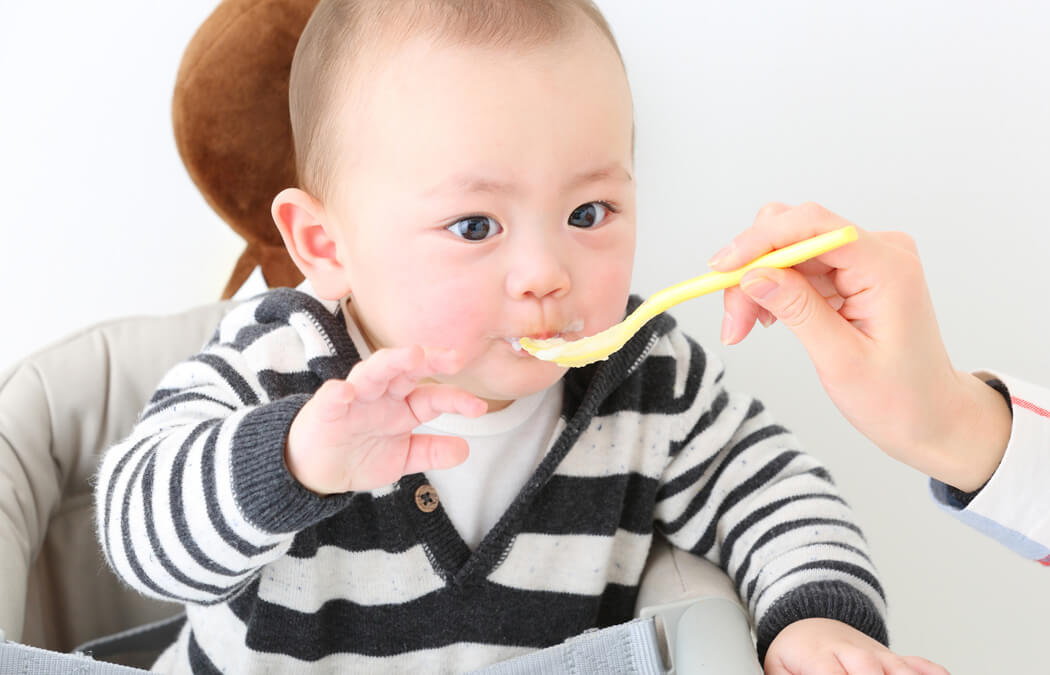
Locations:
column 741, row 493
column 200, row 496
column 193, row 501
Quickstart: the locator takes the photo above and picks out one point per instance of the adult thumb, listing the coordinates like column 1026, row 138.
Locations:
column 827, row 336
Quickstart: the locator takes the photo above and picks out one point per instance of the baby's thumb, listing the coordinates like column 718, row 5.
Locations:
column 794, row 302
column 428, row 452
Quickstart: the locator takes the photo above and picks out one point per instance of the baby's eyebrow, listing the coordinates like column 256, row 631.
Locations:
column 472, row 183
column 614, row 171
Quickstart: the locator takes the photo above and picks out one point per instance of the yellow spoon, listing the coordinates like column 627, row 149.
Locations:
column 600, row 345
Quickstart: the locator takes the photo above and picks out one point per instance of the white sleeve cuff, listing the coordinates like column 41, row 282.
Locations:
column 1014, row 506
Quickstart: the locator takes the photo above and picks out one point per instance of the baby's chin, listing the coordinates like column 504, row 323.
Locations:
column 502, row 386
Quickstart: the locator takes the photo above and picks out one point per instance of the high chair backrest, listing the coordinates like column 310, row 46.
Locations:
column 59, row 409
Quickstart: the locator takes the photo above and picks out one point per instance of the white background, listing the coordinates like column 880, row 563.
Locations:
column 931, row 117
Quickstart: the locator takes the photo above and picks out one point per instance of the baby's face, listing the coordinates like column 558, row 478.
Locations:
column 487, row 194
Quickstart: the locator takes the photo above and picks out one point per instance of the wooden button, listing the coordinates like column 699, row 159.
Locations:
column 426, row 498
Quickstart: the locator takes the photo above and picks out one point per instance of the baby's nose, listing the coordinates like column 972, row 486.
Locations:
column 540, row 272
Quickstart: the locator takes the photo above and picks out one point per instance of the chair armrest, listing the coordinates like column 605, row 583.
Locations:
column 701, row 624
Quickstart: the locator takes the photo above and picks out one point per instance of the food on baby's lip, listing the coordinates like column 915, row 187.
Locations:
column 536, row 347
column 550, row 342
column 573, row 326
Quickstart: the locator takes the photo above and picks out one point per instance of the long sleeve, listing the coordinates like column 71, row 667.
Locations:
column 197, row 499
column 1013, row 507
column 739, row 491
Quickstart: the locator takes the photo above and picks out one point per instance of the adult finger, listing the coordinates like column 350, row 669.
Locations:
column 830, row 340
column 426, row 452
column 776, row 227
column 427, row 401
column 739, row 316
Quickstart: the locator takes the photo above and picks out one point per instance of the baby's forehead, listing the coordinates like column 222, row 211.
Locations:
column 346, row 41
column 372, row 30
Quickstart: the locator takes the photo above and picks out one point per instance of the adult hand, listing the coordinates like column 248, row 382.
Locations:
column 864, row 315
column 356, row 434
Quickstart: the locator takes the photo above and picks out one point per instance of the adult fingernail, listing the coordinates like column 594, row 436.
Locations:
column 727, row 327
column 720, row 256
column 758, row 286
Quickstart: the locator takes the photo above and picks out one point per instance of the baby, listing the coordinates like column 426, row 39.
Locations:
column 304, row 485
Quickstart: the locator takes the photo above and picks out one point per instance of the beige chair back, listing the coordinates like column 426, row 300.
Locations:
column 59, row 409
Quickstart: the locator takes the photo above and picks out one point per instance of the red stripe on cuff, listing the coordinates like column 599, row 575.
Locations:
column 1028, row 405
column 1044, row 561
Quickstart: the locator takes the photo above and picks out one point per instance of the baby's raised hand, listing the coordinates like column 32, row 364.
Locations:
column 827, row 647
column 356, row 434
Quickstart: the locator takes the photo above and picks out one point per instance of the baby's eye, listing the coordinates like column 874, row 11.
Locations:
column 589, row 215
column 475, row 228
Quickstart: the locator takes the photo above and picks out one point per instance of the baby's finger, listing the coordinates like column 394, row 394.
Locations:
column 428, row 401
column 333, row 399
column 434, row 361
column 426, row 452
column 895, row 665
column 876, row 660
column 402, row 385
column 776, row 668
column 444, row 361
column 925, row 667
column 372, row 377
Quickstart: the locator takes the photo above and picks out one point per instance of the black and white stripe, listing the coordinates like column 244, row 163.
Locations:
column 197, row 506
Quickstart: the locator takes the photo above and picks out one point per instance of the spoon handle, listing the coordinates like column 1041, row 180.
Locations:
column 715, row 281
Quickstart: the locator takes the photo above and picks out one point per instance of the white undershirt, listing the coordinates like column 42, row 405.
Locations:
column 506, row 446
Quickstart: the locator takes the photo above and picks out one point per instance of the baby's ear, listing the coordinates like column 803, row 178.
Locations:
column 301, row 221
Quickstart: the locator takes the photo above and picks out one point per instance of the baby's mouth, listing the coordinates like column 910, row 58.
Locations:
column 572, row 327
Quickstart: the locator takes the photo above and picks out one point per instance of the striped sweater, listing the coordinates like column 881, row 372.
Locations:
column 197, row 506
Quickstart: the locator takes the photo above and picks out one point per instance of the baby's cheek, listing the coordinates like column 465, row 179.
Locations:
column 450, row 319
column 609, row 297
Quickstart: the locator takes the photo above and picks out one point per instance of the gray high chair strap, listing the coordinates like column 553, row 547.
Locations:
column 706, row 636
column 152, row 637
column 709, row 636
column 630, row 648
column 26, row 660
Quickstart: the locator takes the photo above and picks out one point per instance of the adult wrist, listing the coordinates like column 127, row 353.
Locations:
column 977, row 421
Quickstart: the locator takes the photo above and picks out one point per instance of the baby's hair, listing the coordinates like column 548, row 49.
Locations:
column 339, row 31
